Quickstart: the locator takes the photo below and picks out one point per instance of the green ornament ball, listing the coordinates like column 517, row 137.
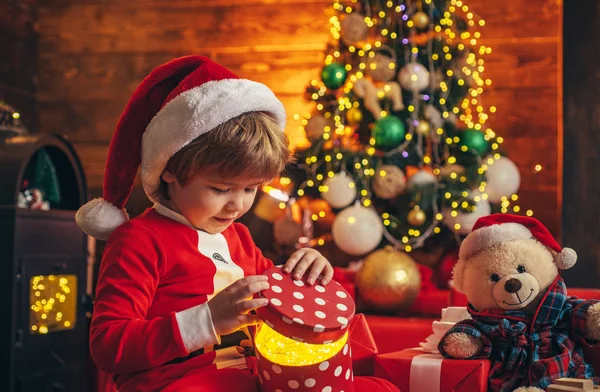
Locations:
column 334, row 75
column 473, row 140
column 388, row 132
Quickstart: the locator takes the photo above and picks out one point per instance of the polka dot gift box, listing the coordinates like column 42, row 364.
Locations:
column 303, row 344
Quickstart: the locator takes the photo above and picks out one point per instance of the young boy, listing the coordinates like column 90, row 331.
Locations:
column 176, row 285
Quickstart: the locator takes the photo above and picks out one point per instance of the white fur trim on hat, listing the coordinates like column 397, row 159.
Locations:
column 197, row 111
column 486, row 237
column 100, row 218
column 566, row 258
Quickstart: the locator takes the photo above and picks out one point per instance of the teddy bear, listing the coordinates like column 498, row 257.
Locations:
column 522, row 319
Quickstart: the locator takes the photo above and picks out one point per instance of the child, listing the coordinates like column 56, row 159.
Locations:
column 176, row 284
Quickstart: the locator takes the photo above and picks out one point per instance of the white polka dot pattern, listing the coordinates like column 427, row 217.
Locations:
column 310, row 382
column 277, row 369
column 326, row 389
column 293, row 384
column 323, row 365
column 298, row 308
column 275, row 302
column 338, row 371
column 313, row 313
column 266, row 375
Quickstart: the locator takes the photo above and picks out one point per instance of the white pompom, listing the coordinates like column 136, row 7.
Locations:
column 566, row 258
column 100, row 218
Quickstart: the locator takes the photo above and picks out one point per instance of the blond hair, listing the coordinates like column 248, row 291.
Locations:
column 250, row 145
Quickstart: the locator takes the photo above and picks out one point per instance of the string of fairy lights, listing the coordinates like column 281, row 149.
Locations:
column 469, row 69
column 52, row 302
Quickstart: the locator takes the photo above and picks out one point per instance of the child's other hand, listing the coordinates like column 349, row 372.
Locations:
column 230, row 309
column 306, row 258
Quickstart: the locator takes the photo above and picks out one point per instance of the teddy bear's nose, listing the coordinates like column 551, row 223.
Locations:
column 513, row 285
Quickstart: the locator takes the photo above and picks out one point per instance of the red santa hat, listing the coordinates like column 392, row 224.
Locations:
column 176, row 103
column 496, row 229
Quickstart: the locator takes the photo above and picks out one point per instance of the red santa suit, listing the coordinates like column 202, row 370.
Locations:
column 151, row 324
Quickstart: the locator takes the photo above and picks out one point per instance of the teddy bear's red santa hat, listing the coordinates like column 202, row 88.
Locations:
column 496, row 229
column 176, row 103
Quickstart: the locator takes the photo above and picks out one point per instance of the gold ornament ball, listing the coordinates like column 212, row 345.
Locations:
column 421, row 20
column 423, row 128
column 354, row 116
column 389, row 281
column 416, row 217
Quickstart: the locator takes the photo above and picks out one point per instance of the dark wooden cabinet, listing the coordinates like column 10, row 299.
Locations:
column 44, row 272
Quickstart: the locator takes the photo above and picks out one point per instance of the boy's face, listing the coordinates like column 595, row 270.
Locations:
column 212, row 203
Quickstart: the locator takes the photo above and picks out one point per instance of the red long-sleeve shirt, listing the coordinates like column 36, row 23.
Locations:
column 156, row 276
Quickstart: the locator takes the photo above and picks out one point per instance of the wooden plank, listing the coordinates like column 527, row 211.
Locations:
column 518, row 18
column 189, row 27
column 99, row 76
column 79, row 76
column 17, row 18
column 581, row 179
column 182, row 28
column 523, row 111
column 522, row 66
column 95, row 120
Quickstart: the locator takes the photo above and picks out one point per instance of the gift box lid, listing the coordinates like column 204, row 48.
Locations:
column 314, row 314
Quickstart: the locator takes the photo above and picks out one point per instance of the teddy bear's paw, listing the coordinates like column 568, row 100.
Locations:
column 460, row 345
column 593, row 322
column 528, row 389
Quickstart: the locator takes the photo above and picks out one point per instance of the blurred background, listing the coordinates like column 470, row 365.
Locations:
column 410, row 119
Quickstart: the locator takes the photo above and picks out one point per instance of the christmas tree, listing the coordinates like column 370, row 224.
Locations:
column 400, row 150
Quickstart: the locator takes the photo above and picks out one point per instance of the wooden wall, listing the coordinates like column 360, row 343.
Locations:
column 18, row 55
column 93, row 53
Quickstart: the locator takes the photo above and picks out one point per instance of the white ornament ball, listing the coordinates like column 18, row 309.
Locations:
column 467, row 220
column 341, row 190
column 357, row 230
column 414, row 77
column 354, row 29
column 503, row 179
column 420, row 179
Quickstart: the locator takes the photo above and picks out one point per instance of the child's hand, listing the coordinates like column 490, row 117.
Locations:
column 231, row 307
column 304, row 258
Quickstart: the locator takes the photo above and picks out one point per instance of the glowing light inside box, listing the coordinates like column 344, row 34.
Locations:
column 52, row 303
column 285, row 351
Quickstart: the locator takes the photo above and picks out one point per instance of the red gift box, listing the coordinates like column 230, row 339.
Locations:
column 364, row 349
column 406, row 332
column 415, row 370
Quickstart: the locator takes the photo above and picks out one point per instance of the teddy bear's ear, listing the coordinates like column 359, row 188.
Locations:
column 457, row 275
